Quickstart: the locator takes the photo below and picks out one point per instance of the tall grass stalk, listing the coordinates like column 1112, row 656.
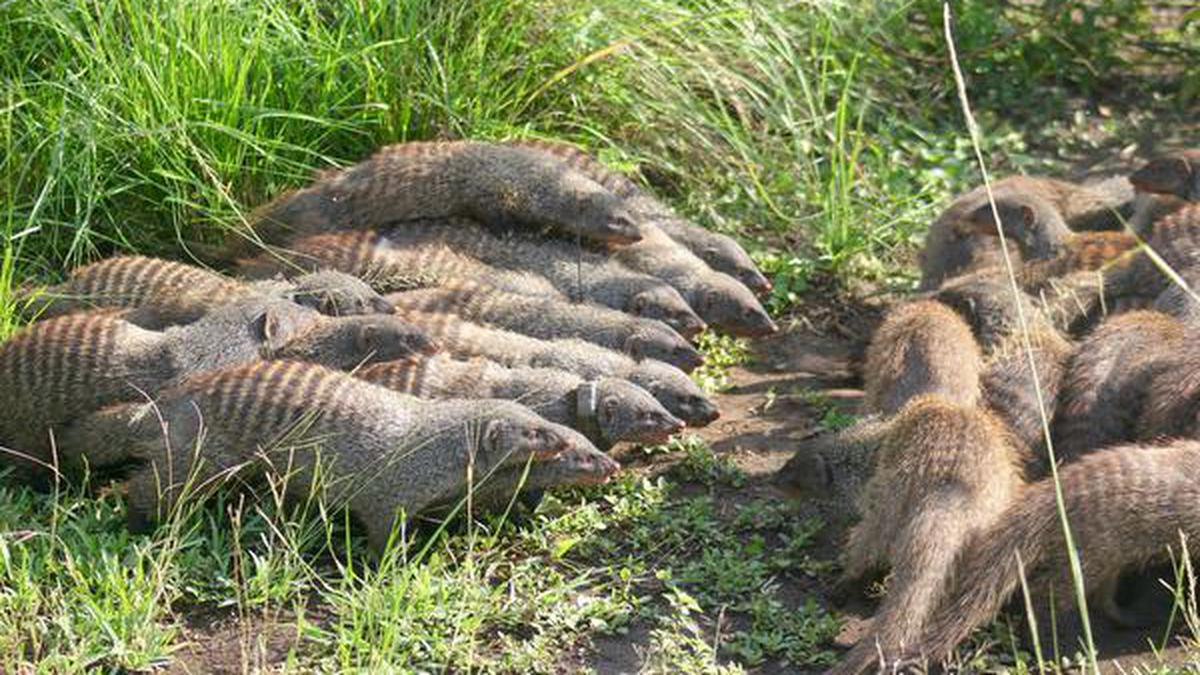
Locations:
column 1023, row 325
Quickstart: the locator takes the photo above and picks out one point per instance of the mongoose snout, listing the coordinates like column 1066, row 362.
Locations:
column 1177, row 175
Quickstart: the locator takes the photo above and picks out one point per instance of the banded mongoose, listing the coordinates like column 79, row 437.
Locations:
column 832, row 468
column 944, row 472
column 577, row 466
column 1172, row 395
column 414, row 267
column 530, row 265
column 1106, row 381
column 922, row 347
column 722, row 301
column 721, row 252
column 1126, row 506
column 181, row 293
column 954, row 246
column 607, row 411
column 382, row 454
column 1008, row 391
column 548, row 318
column 57, row 370
column 1176, row 175
column 493, row 184
column 671, row 386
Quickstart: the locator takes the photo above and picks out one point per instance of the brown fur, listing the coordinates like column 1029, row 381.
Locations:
column 607, row 411
column 492, row 184
column 1172, row 396
column 943, row 472
column 1008, row 389
column 1106, row 381
column 1126, row 506
column 921, row 348
column 178, row 293
column 721, row 253
column 1175, row 175
column 671, row 386
column 548, row 318
column 379, row 453
column 954, row 245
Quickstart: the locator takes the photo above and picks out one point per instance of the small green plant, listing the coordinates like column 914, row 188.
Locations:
column 790, row 276
column 832, row 418
column 700, row 464
column 721, row 354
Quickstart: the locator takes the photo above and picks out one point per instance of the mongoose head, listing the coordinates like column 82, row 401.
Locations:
column 351, row 341
column 1177, row 175
column 338, row 294
column 723, row 254
column 833, row 467
column 580, row 465
column 655, row 340
column 664, row 303
column 985, row 301
column 1033, row 223
column 727, row 305
column 565, row 198
column 675, row 391
column 511, row 431
column 623, row 411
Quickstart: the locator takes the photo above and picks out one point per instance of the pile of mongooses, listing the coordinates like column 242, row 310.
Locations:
column 1085, row 356
column 442, row 321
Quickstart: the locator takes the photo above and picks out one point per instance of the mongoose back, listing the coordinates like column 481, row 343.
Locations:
column 494, row 184
column 1172, row 396
column 181, row 293
column 1105, row 384
column 944, row 471
column 380, row 453
column 1126, row 505
column 954, row 247
column 1008, row 391
column 607, row 411
column 721, row 253
column 548, row 318
column 671, row 386
column 921, row 348
column 513, row 262
column 722, row 301
column 577, row 466
column 57, row 370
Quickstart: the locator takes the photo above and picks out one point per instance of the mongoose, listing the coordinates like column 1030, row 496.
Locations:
column 607, row 411
column 382, row 454
column 1126, row 506
column 721, row 253
column 922, row 347
column 57, row 370
column 833, row 467
column 494, row 184
column 943, row 472
column 1104, row 386
column 1172, row 396
column 385, row 263
column 1176, row 175
column 180, row 293
column 953, row 245
column 671, row 386
column 1008, row 392
column 722, row 301
column 577, row 466
column 530, row 265
column 548, row 318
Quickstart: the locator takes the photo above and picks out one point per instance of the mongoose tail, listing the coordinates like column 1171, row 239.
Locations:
column 1176, row 175
column 1126, row 506
column 922, row 347
column 721, row 253
column 493, row 184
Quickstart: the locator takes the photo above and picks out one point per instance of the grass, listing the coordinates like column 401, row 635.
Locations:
column 823, row 135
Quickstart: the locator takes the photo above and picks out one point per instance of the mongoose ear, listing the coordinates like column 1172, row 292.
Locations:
column 981, row 221
column 270, row 329
column 1027, row 215
column 491, row 434
column 639, row 304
